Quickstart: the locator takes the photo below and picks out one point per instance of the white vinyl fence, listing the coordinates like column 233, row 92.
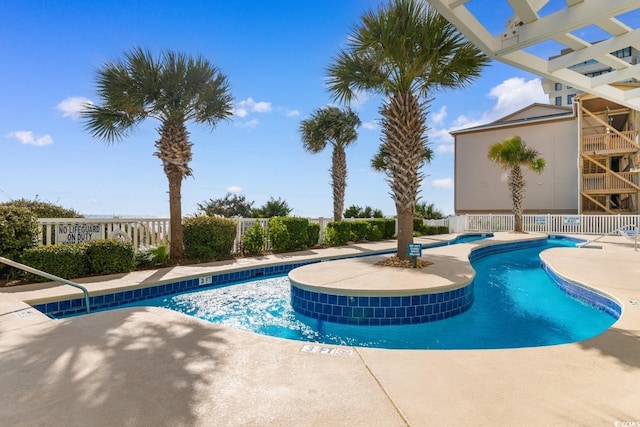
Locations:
column 575, row 224
column 139, row 231
column 155, row 231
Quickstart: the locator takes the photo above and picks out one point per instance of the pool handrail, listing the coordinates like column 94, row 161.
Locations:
column 48, row 276
column 620, row 231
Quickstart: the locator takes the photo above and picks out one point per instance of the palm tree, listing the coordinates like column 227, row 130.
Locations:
column 511, row 154
column 174, row 89
column 403, row 52
column 336, row 127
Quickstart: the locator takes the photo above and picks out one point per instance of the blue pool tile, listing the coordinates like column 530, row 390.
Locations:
column 374, row 302
column 363, row 301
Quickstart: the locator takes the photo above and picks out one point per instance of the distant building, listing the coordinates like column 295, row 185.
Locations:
column 591, row 149
column 560, row 94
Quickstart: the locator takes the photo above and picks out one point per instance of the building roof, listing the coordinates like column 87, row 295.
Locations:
column 533, row 113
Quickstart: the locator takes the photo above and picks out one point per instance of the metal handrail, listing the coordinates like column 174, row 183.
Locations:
column 616, row 231
column 48, row 276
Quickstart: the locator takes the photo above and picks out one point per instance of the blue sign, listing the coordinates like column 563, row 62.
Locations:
column 415, row 249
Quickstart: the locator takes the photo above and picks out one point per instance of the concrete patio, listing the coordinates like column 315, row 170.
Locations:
column 151, row 366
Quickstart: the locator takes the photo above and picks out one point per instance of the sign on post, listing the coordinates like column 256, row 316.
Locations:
column 415, row 249
column 78, row 233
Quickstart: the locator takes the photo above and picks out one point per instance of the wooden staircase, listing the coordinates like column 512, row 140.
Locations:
column 610, row 179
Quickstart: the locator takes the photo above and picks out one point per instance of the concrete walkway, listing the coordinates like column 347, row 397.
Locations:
column 151, row 366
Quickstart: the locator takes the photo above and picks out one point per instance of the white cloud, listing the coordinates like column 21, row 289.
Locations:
column 445, row 148
column 372, row 125
column 249, row 124
column 243, row 108
column 437, row 119
column 234, row 189
column 73, row 106
column 359, row 99
column 515, row 93
column 293, row 113
column 27, row 138
column 442, row 183
column 511, row 95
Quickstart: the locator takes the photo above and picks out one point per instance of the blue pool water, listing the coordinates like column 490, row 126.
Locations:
column 516, row 305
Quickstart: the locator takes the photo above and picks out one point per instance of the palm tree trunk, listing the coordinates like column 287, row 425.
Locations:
column 174, row 149
column 516, row 185
column 405, row 231
column 339, row 180
column 175, row 217
column 404, row 140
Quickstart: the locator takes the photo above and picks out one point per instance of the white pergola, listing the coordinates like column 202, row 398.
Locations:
column 527, row 28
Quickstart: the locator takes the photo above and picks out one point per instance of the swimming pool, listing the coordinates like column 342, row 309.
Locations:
column 516, row 305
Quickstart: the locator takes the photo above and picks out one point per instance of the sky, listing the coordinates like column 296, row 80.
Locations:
column 274, row 54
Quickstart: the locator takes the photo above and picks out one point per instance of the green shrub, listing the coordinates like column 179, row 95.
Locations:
column 359, row 230
column 313, row 230
column 109, row 257
column 18, row 231
column 43, row 209
column 254, row 239
column 419, row 226
column 337, row 233
column 65, row 261
column 443, row 229
column 430, row 230
column 288, row 233
column 376, row 231
column 278, row 234
column 208, row 238
column 152, row 256
column 389, row 228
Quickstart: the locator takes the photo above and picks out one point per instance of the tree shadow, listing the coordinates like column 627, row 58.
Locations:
column 130, row 367
column 620, row 344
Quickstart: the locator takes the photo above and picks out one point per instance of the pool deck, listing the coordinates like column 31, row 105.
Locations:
column 151, row 366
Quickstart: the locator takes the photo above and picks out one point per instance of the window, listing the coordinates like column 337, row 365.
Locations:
column 558, row 86
column 558, row 100
column 570, row 98
column 622, row 53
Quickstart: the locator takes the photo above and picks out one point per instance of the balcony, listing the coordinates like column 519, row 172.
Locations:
column 611, row 183
column 610, row 143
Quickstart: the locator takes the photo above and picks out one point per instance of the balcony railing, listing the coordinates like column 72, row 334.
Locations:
column 610, row 183
column 608, row 143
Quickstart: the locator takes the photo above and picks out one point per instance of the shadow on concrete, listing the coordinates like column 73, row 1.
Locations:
column 99, row 369
column 620, row 344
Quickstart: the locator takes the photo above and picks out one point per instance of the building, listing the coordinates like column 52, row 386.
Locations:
column 480, row 185
column 591, row 149
column 562, row 94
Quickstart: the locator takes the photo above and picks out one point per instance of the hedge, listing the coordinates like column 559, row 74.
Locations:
column 208, row 238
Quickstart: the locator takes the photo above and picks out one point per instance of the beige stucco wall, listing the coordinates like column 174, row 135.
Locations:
column 480, row 184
